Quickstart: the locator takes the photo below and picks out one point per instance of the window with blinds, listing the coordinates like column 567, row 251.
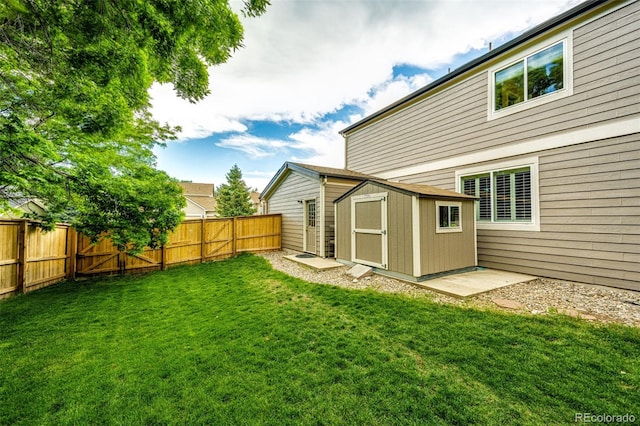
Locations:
column 504, row 195
column 479, row 186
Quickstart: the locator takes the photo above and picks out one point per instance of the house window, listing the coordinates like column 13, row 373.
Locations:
column 542, row 74
column 513, row 195
column 480, row 186
column 506, row 196
column 448, row 216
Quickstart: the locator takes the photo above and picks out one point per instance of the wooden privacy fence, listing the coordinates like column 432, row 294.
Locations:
column 31, row 259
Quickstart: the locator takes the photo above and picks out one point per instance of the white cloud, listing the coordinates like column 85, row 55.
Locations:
column 257, row 179
column 304, row 59
column 320, row 146
column 254, row 146
column 391, row 90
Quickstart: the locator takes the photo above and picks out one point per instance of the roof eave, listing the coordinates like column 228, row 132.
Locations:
column 282, row 173
column 381, row 182
column 313, row 174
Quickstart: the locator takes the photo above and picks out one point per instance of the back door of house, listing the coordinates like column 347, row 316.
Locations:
column 310, row 226
column 369, row 230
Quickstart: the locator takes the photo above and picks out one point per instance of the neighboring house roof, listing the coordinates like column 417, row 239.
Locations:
column 25, row 205
column 203, row 189
column 17, row 203
column 311, row 171
column 426, row 191
column 207, row 203
column 528, row 35
column 201, row 195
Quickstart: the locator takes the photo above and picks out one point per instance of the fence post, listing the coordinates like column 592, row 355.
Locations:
column 22, row 256
column 72, row 251
column 234, row 239
column 121, row 263
column 163, row 260
column 202, row 241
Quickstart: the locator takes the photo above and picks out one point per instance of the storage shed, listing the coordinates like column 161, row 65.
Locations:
column 303, row 194
column 406, row 230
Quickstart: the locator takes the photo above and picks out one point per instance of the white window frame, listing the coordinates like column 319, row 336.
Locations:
column 567, row 90
column 448, row 229
column 491, row 169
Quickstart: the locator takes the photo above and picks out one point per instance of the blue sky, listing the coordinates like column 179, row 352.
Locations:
column 310, row 68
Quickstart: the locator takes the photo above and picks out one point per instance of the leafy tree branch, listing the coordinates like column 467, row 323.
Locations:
column 75, row 126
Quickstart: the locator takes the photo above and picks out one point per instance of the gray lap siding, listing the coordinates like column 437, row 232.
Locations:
column 285, row 200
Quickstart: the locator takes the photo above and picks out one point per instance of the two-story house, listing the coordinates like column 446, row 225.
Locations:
column 200, row 197
column 545, row 130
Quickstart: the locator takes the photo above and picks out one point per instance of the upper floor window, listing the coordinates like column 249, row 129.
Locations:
column 540, row 75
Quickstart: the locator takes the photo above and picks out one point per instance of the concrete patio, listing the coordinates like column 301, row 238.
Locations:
column 474, row 282
column 463, row 284
column 317, row 263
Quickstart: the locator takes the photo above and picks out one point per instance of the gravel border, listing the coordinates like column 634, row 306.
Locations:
column 539, row 297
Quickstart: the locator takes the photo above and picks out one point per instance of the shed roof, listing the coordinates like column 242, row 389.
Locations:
column 422, row 191
column 311, row 171
column 556, row 21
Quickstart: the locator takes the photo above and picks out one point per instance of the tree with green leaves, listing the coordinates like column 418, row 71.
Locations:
column 233, row 197
column 75, row 126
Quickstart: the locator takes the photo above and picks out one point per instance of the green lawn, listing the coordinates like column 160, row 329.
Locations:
column 236, row 342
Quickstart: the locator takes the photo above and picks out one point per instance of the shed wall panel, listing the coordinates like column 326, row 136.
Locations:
column 440, row 252
column 400, row 233
column 343, row 230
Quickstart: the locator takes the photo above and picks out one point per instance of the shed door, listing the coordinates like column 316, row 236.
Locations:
column 369, row 230
column 310, row 226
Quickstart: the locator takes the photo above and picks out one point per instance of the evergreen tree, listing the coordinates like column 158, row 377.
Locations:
column 233, row 197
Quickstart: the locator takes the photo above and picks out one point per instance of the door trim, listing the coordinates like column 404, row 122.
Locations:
column 305, row 223
column 382, row 197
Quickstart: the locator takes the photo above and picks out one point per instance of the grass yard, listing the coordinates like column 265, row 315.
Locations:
column 236, row 342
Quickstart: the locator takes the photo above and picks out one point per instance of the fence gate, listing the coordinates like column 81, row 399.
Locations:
column 369, row 230
column 104, row 258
